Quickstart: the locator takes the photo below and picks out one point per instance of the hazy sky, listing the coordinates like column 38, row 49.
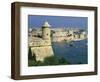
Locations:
column 57, row 21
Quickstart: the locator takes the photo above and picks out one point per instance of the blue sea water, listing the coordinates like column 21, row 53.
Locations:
column 75, row 52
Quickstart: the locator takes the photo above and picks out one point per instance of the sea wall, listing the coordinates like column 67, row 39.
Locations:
column 42, row 52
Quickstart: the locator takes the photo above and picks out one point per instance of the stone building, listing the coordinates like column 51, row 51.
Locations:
column 41, row 47
column 68, row 35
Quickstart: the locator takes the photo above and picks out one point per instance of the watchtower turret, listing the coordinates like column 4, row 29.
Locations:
column 46, row 31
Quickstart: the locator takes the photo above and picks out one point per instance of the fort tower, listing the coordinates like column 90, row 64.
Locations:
column 46, row 31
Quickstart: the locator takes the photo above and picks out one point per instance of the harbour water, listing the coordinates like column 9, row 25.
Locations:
column 75, row 52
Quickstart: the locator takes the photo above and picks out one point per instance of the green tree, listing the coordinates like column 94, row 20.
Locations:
column 63, row 61
column 51, row 61
column 29, row 53
column 31, row 58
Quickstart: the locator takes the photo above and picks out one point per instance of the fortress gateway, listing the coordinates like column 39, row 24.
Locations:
column 41, row 47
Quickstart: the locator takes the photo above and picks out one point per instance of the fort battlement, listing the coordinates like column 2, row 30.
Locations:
column 41, row 47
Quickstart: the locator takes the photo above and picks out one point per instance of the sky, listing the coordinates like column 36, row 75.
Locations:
column 57, row 21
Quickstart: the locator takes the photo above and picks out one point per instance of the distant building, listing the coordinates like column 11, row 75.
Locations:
column 68, row 34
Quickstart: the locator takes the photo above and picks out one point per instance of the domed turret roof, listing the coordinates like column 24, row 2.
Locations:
column 46, row 24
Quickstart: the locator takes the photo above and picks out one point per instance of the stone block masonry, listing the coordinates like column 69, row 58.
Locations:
column 42, row 52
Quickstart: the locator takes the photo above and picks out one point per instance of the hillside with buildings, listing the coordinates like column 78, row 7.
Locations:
column 60, row 34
